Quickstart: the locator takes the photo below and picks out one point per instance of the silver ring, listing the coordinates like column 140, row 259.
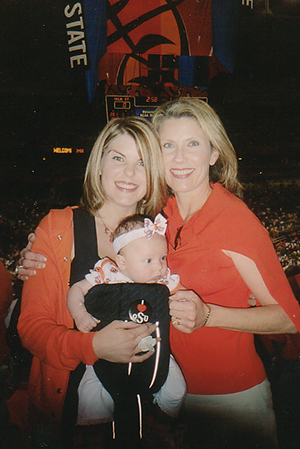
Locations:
column 176, row 321
column 17, row 269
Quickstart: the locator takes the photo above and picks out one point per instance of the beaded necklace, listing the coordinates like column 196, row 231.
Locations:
column 107, row 231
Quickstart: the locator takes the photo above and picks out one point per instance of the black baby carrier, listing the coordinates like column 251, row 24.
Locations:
column 131, row 385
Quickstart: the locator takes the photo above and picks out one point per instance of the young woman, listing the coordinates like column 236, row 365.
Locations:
column 124, row 175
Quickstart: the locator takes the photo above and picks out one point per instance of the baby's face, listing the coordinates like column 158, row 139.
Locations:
column 145, row 260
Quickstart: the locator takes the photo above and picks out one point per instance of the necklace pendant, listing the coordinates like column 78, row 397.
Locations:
column 109, row 233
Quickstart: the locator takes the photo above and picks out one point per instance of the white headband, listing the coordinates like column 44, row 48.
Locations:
column 159, row 226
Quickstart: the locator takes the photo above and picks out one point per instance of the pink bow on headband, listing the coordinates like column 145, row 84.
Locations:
column 159, row 226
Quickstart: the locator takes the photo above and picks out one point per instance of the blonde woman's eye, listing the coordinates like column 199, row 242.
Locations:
column 141, row 163
column 117, row 158
column 194, row 143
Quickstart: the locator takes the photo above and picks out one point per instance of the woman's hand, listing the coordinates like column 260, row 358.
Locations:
column 187, row 310
column 118, row 341
column 29, row 261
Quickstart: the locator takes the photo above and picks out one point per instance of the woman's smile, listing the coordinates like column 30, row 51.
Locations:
column 125, row 186
column 181, row 173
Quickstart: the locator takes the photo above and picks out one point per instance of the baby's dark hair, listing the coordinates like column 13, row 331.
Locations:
column 129, row 223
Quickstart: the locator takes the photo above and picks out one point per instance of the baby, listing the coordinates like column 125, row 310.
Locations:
column 141, row 257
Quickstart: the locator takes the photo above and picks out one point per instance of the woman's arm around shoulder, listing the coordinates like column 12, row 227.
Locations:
column 31, row 260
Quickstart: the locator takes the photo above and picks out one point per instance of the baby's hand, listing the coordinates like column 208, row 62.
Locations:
column 85, row 322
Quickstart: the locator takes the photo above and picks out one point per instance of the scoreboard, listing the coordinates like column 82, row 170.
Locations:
column 139, row 106
column 121, row 106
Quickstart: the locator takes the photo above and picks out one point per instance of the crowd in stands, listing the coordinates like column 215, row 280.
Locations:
column 275, row 203
column 21, row 210
column 277, row 206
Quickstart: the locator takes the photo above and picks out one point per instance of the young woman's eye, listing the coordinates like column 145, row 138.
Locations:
column 117, row 158
column 141, row 163
column 194, row 143
column 168, row 145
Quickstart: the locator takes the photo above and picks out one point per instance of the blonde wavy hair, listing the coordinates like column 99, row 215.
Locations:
column 225, row 169
column 148, row 144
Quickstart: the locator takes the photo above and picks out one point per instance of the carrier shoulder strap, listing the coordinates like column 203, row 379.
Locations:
column 85, row 240
column 86, row 255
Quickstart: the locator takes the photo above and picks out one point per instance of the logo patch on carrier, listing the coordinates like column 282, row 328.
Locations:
column 140, row 311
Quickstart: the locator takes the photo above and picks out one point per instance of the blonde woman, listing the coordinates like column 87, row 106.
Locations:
column 222, row 254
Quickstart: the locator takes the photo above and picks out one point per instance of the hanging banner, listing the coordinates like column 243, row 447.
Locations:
column 176, row 27
column 95, row 20
column 86, row 33
column 145, row 38
column 161, row 28
column 76, row 36
column 225, row 21
column 151, row 43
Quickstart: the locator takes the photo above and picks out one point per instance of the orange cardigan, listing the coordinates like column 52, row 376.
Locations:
column 45, row 325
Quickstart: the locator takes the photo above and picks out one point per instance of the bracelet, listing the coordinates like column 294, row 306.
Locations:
column 207, row 316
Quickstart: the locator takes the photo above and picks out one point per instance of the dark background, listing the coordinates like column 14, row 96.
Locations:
column 43, row 105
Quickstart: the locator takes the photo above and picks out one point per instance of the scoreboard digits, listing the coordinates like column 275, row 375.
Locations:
column 118, row 106
column 122, row 106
